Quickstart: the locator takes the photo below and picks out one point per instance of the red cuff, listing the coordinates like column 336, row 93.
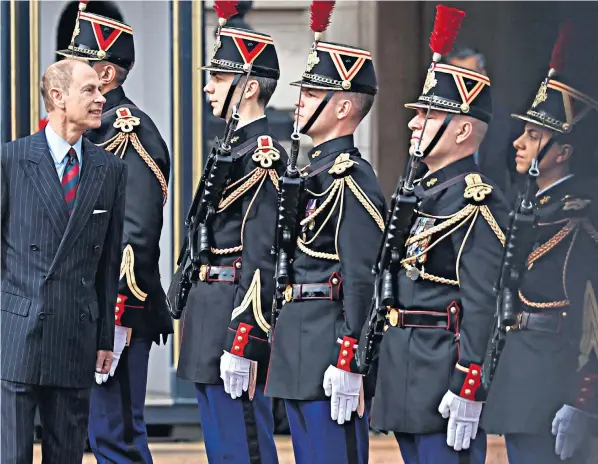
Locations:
column 241, row 339
column 472, row 381
column 119, row 310
column 346, row 353
column 587, row 391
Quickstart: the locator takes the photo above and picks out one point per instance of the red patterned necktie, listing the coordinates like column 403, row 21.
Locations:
column 70, row 180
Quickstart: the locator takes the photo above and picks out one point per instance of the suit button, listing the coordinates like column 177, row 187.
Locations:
column 41, row 316
column 83, row 281
column 82, row 316
column 34, row 247
column 96, row 248
column 48, row 280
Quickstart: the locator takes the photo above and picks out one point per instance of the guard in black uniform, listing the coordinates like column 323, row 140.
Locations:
column 316, row 335
column 544, row 395
column 434, row 342
column 236, row 417
column 117, row 431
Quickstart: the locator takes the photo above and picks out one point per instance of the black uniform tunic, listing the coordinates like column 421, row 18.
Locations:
column 545, row 366
column 331, row 272
column 455, row 269
column 242, row 239
column 130, row 134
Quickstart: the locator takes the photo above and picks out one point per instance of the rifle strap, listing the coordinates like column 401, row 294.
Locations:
column 244, row 148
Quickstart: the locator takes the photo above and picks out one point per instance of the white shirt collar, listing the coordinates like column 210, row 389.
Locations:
column 59, row 147
column 560, row 181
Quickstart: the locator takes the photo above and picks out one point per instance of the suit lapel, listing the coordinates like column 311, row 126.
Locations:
column 41, row 170
column 92, row 177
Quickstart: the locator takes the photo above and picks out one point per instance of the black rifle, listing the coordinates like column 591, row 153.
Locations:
column 196, row 248
column 519, row 242
column 388, row 262
column 291, row 189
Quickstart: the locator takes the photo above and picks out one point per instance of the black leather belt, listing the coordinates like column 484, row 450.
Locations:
column 425, row 319
column 540, row 322
column 304, row 292
column 220, row 273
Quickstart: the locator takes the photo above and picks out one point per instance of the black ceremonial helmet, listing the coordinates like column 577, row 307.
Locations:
column 98, row 38
column 337, row 68
column 235, row 50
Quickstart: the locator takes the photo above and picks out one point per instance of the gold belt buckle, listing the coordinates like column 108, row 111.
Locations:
column 393, row 317
column 203, row 272
column 288, row 293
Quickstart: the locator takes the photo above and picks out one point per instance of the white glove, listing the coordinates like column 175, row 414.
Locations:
column 570, row 425
column 234, row 371
column 120, row 340
column 464, row 418
column 344, row 387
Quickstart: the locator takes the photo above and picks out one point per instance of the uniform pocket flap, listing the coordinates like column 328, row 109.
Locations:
column 94, row 310
column 15, row 304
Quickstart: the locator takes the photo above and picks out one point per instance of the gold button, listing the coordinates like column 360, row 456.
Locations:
column 240, row 338
column 116, row 317
column 118, row 300
column 237, row 348
column 453, row 309
column 116, row 309
column 334, row 281
column 471, row 382
column 584, row 389
column 345, row 352
column 347, row 344
column 564, row 314
column 343, row 362
column 385, row 328
column 582, row 400
column 238, row 264
column 474, row 372
column 243, row 330
column 468, row 392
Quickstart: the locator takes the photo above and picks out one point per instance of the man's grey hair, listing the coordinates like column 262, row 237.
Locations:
column 462, row 53
column 58, row 76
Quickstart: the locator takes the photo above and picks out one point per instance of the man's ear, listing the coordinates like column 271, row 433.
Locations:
column 464, row 131
column 565, row 153
column 343, row 108
column 252, row 90
column 107, row 74
column 57, row 97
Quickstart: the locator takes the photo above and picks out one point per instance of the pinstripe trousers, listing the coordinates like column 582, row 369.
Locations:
column 63, row 413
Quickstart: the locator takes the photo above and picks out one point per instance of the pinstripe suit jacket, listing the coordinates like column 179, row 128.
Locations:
column 59, row 275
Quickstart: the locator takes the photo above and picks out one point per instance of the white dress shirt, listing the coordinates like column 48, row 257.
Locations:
column 59, row 149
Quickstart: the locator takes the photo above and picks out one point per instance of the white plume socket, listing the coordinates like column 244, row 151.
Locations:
column 436, row 57
column 222, row 22
column 317, row 36
column 551, row 72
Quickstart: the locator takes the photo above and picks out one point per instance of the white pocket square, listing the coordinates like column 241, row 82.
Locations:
column 99, row 211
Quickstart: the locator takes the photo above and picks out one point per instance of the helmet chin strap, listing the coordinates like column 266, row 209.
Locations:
column 229, row 96
column 319, row 110
column 439, row 134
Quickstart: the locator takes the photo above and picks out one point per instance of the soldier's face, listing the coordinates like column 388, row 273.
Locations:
column 83, row 102
column 310, row 101
column 425, row 137
column 529, row 144
column 216, row 90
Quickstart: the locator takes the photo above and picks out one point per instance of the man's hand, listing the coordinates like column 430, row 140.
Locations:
column 103, row 362
column 120, row 340
column 570, row 425
column 234, row 372
column 344, row 388
column 464, row 418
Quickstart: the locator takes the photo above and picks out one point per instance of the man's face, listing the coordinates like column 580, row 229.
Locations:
column 83, row 102
column 310, row 101
column 435, row 120
column 529, row 144
column 217, row 89
column 471, row 62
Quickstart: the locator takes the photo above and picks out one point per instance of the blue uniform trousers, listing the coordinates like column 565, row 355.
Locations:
column 528, row 448
column 317, row 439
column 117, row 432
column 236, row 431
column 432, row 449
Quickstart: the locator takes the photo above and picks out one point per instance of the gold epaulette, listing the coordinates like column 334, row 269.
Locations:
column 126, row 122
column 127, row 269
column 335, row 195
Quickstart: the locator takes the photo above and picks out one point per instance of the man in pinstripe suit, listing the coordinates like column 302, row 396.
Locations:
column 63, row 203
